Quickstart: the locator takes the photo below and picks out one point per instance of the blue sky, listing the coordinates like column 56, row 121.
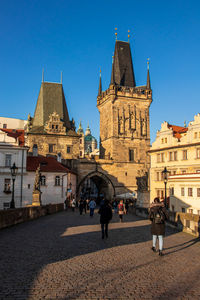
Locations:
column 77, row 37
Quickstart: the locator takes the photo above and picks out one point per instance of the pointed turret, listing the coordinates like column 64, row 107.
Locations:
column 122, row 68
column 100, row 86
column 148, row 77
column 88, row 131
column 80, row 128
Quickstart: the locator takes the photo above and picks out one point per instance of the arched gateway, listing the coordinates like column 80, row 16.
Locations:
column 102, row 182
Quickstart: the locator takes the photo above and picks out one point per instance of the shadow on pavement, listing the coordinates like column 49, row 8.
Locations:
column 27, row 248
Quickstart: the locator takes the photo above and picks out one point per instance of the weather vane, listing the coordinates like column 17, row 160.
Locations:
column 128, row 35
column 116, row 33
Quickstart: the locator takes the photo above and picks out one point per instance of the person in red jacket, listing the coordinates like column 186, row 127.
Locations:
column 121, row 210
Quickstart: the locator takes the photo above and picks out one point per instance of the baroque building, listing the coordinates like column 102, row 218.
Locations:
column 178, row 149
column 50, row 131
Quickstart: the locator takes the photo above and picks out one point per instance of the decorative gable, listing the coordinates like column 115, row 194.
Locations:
column 54, row 125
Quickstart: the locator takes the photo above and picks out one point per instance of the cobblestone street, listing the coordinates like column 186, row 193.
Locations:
column 62, row 256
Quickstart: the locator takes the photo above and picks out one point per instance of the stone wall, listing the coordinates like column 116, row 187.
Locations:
column 188, row 223
column 19, row 215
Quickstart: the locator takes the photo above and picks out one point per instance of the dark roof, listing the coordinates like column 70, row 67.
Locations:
column 47, row 164
column 51, row 99
column 15, row 133
column 122, row 69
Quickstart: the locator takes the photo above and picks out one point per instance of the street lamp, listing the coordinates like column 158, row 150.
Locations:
column 164, row 172
column 13, row 170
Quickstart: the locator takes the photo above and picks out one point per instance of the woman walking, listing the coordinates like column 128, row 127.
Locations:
column 121, row 210
column 158, row 215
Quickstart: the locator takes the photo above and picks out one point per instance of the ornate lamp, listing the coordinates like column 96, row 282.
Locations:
column 13, row 171
column 165, row 177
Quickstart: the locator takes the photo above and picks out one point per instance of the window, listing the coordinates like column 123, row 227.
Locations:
column 182, row 191
column 162, row 141
column 80, row 141
column 51, row 148
column 158, row 158
column 175, row 155
column 184, row 154
column 43, row 180
column 162, row 194
column 165, row 140
column 157, row 176
column 158, row 193
column 190, row 211
column 7, row 187
column 198, row 192
column 80, row 153
column 195, row 135
column 56, row 127
column 198, row 152
column 162, row 157
column 183, row 209
column 172, row 191
column 131, row 155
column 4, row 126
column 162, row 176
column 8, row 160
column 68, row 149
column 190, row 192
column 57, row 180
column 170, row 156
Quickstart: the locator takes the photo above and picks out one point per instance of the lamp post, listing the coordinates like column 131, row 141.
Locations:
column 164, row 172
column 13, row 170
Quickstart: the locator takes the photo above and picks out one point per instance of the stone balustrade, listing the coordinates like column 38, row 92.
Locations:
column 19, row 215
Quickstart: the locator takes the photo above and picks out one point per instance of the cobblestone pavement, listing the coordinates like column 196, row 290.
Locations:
column 62, row 256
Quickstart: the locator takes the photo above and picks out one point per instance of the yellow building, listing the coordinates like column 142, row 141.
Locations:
column 178, row 149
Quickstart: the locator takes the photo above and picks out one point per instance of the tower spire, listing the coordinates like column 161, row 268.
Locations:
column 148, row 76
column 100, row 86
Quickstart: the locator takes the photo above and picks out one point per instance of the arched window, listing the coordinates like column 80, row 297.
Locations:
column 57, row 180
column 43, row 180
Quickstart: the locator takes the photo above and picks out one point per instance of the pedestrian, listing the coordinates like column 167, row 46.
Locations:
column 73, row 204
column 158, row 215
column 126, row 206
column 115, row 206
column 85, row 206
column 66, row 204
column 105, row 212
column 87, row 203
column 92, row 206
column 81, row 207
column 121, row 210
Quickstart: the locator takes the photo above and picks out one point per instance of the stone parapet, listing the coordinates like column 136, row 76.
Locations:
column 19, row 215
column 185, row 222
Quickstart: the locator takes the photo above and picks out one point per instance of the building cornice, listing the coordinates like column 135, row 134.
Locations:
column 174, row 147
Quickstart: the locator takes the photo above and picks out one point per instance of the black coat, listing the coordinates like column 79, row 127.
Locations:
column 105, row 212
column 158, row 229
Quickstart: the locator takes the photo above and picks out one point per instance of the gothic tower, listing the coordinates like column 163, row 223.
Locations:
column 124, row 116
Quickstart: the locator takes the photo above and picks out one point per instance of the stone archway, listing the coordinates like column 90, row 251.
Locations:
column 103, row 183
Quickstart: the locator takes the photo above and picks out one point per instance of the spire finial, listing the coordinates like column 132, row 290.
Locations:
column 128, row 35
column 100, row 86
column 116, row 33
column 61, row 77
column 148, row 63
column 43, row 75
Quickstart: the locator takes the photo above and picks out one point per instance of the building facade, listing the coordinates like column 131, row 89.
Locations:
column 50, row 131
column 178, row 149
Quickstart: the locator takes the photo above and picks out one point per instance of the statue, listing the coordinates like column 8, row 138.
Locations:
column 37, row 180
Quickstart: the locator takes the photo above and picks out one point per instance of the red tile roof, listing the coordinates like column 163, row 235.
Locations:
column 15, row 133
column 178, row 130
column 47, row 164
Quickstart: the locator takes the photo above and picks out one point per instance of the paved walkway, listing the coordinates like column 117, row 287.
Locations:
column 62, row 256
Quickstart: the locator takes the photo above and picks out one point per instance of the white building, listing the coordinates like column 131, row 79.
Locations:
column 12, row 150
column 178, row 149
column 12, row 123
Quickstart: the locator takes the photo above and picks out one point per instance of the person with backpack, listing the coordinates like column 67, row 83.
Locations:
column 105, row 212
column 121, row 210
column 158, row 215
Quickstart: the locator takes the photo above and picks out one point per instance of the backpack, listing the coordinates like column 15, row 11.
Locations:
column 159, row 217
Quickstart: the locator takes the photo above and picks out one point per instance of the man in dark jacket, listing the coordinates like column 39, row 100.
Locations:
column 105, row 212
column 158, row 215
